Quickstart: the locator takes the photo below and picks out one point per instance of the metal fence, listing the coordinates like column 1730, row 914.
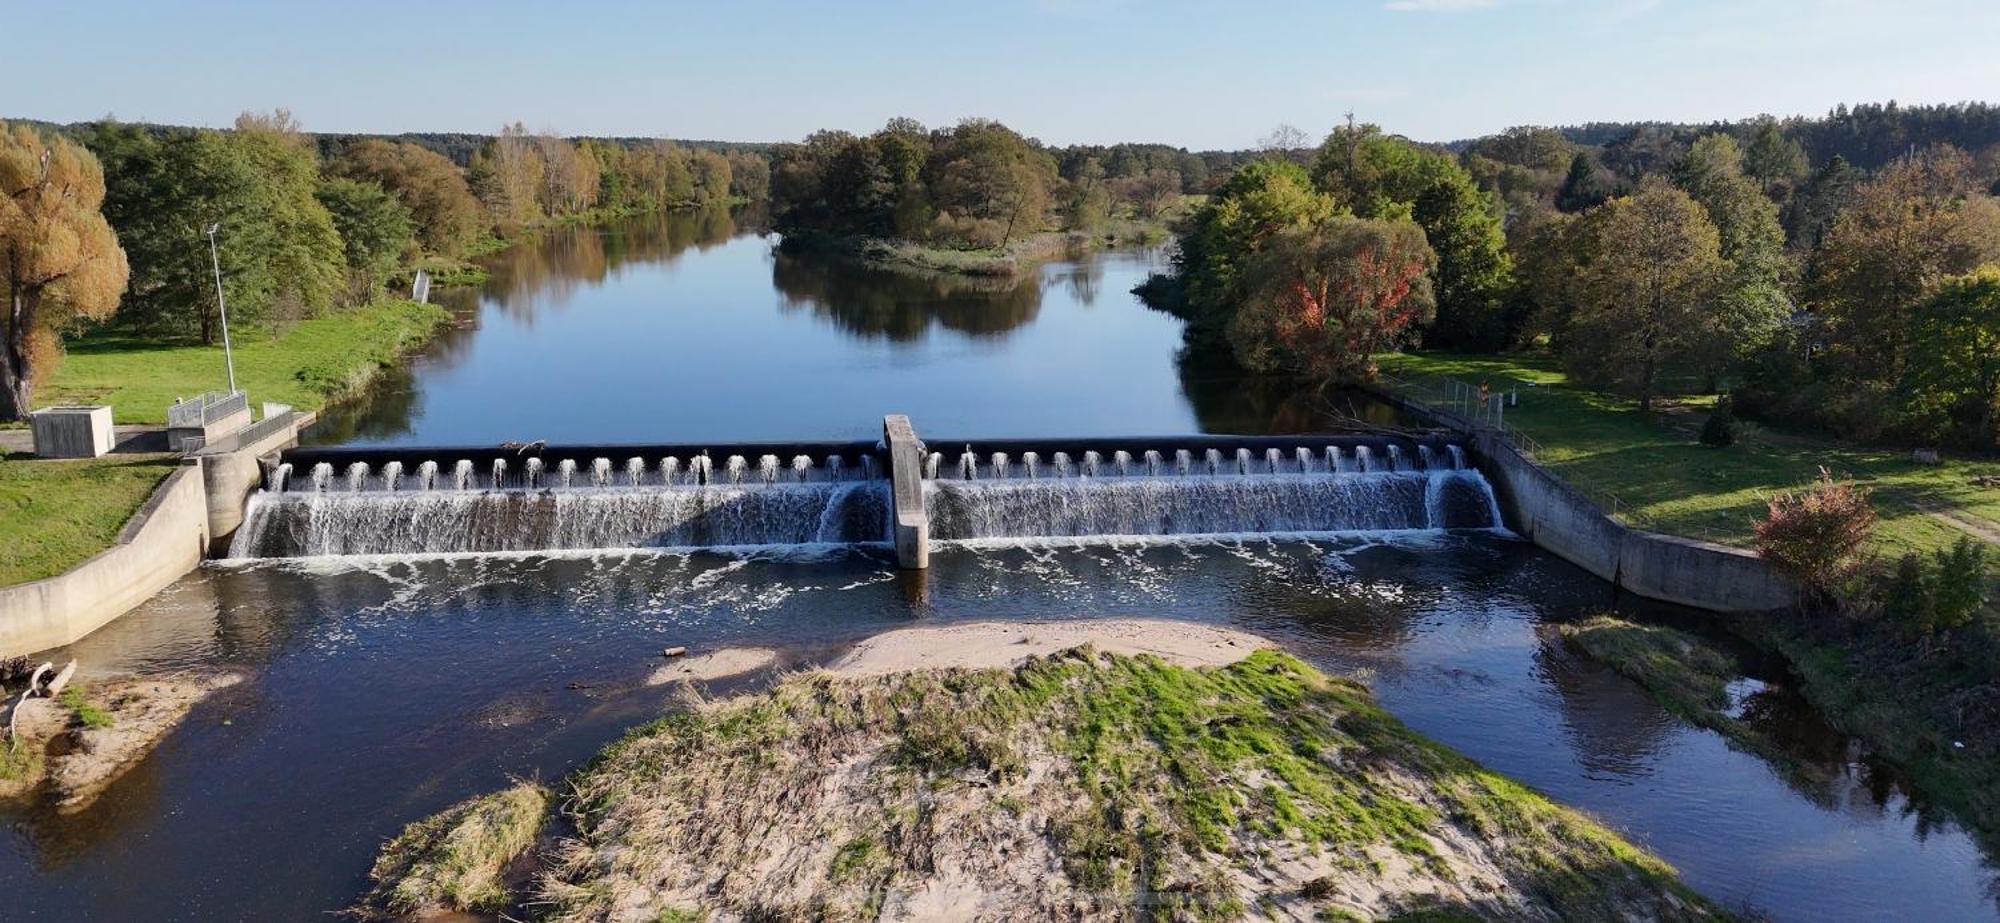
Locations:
column 203, row 409
column 1482, row 409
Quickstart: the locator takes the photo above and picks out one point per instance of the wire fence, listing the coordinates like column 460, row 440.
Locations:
column 1483, row 408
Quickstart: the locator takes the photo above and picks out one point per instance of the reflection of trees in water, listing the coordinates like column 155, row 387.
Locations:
column 903, row 306
column 524, row 280
column 1227, row 399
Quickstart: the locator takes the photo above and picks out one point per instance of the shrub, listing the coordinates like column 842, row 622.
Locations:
column 1815, row 534
column 1719, row 429
column 1959, row 588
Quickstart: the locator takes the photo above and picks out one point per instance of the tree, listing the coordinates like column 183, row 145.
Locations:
column 1752, row 301
column 302, row 250
column 375, row 233
column 1586, row 186
column 1953, row 382
column 58, row 255
column 506, row 175
column 446, row 214
column 1919, row 221
column 749, row 176
column 1645, row 299
column 1776, row 162
column 982, row 171
column 1261, row 200
column 711, row 177
column 1321, row 301
column 1819, row 201
column 1815, row 534
column 1376, row 176
column 1086, row 201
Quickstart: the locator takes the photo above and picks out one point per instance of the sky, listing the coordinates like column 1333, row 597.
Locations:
column 1204, row 75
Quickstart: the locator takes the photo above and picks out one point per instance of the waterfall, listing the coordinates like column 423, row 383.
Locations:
column 835, row 463
column 1122, row 460
column 461, row 474
column 735, row 468
column 1183, row 462
column 1209, row 504
column 499, row 476
column 322, row 475
column 635, row 471
column 283, row 475
column 1305, row 457
column 1062, row 464
column 600, row 472
column 532, row 473
column 1242, row 461
column 1364, row 460
column 357, row 476
column 1214, row 459
column 392, row 476
column 427, row 475
column 566, row 473
column 1457, row 456
column 428, row 522
column 1093, row 464
column 1154, row 463
column 1031, row 465
column 1396, row 458
column 670, row 471
column 968, row 466
column 1000, row 464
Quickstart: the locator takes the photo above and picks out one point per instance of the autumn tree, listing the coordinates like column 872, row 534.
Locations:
column 447, row 216
column 58, row 255
column 1815, row 534
column 1378, row 176
column 506, row 175
column 711, row 176
column 1645, row 299
column 749, row 176
column 1086, row 198
column 1322, row 301
column 1917, row 222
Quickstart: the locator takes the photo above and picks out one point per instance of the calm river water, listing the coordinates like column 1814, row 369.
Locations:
column 386, row 688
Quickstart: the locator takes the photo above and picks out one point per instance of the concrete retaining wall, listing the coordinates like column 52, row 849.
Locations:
column 232, row 469
column 163, row 540
column 1678, row 570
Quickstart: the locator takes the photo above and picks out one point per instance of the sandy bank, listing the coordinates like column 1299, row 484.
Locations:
column 991, row 645
column 74, row 753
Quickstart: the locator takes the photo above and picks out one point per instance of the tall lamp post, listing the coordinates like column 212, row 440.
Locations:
column 215, row 259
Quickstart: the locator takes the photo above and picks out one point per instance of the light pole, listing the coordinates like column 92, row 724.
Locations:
column 221, row 307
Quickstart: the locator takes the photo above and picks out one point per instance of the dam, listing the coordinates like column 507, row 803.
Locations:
column 398, row 501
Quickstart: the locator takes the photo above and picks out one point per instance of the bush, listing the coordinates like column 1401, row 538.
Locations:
column 1939, row 597
column 1719, row 429
column 1815, row 535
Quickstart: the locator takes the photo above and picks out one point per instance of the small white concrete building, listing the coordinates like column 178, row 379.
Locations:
column 72, row 431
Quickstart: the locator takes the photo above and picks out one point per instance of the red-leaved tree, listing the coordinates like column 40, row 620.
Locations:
column 1321, row 301
column 1815, row 534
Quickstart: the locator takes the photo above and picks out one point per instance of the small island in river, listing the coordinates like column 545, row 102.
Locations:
column 1031, row 771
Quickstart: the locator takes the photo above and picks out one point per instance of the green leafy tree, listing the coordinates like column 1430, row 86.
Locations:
column 1752, row 301
column 1086, row 198
column 1376, row 176
column 1953, row 382
column 1776, row 162
column 1321, row 301
column 376, row 232
column 1261, row 200
column 59, row 259
column 447, row 216
column 1645, row 300
column 304, row 254
column 1585, row 186
column 506, row 175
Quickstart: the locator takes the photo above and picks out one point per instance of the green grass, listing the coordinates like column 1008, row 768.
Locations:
column 305, row 366
column 56, row 514
column 1664, row 479
column 1170, row 781
column 88, row 713
column 456, row 860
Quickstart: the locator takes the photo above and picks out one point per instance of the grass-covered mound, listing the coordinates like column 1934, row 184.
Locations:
column 1077, row 786
column 458, row 859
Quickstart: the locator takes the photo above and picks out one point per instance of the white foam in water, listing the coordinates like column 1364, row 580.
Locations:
column 449, row 521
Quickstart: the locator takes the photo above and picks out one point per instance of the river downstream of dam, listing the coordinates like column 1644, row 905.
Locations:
column 391, row 677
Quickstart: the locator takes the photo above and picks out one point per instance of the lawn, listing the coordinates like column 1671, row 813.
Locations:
column 56, row 514
column 304, row 366
column 1664, row 479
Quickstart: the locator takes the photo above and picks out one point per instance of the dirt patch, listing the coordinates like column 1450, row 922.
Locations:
column 713, row 665
column 71, row 749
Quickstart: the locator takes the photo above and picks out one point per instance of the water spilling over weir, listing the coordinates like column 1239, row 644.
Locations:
column 388, row 501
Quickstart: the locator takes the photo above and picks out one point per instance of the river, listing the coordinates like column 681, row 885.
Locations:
column 384, row 688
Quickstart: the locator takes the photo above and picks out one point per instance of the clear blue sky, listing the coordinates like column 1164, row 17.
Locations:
column 1203, row 74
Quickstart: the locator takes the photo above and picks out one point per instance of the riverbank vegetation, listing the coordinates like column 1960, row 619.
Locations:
column 65, row 752
column 1076, row 784
column 1685, row 674
column 458, row 859
column 55, row 514
column 976, row 198
column 307, row 228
